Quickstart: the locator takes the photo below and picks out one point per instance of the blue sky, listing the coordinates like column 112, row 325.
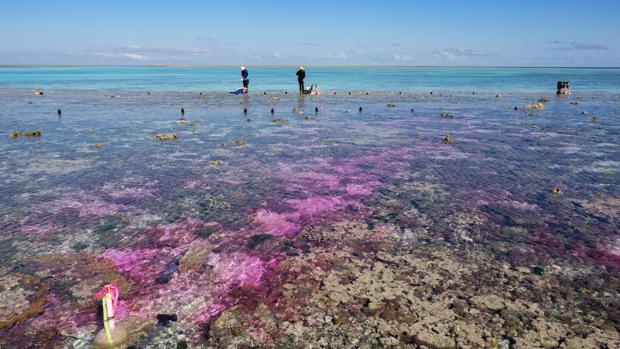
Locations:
column 387, row 32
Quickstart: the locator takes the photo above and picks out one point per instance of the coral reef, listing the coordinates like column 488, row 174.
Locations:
column 21, row 296
column 34, row 133
column 165, row 136
column 535, row 106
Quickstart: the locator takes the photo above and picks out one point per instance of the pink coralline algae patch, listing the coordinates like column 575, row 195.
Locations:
column 615, row 249
column 85, row 205
column 610, row 254
column 40, row 229
column 237, row 269
column 175, row 234
column 132, row 193
column 313, row 205
column 363, row 189
column 524, row 206
column 314, row 180
column 280, row 224
column 141, row 265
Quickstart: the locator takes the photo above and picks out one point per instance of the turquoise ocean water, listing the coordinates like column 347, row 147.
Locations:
column 220, row 79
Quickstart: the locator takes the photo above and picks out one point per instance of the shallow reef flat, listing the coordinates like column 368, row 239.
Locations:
column 396, row 220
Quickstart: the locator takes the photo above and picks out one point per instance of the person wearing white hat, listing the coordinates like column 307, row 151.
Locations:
column 245, row 77
column 301, row 75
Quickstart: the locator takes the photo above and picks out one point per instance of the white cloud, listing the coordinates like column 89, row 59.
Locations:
column 575, row 46
column 458, row 53
column 401, row 57
column 154, row 53
column 128, row 55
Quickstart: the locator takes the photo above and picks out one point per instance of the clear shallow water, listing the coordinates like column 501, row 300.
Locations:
column 75, row 216
column 224, row 79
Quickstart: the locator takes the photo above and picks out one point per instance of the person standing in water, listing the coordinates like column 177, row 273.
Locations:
column 244, row 77
column 301, row 75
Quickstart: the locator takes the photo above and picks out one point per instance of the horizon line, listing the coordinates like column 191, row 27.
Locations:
column 296, row 66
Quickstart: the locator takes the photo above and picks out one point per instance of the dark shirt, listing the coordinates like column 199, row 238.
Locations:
column 244, row 74
column 301, row 74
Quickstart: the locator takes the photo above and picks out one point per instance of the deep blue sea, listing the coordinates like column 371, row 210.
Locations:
column 221, row 79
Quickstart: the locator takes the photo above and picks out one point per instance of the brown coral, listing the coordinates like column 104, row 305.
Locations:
column 30, row 295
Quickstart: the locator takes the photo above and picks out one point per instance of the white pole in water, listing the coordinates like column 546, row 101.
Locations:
column 109, row 310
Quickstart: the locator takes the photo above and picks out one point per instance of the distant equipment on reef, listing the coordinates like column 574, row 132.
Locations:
column 563, row 88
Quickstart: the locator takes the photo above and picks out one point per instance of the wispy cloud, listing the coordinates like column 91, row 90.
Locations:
column 574, row 46
column 126, row 55
column 154, row 53
column 315, row 44
column 399, row 57
column 458, row 53
column 397, row 44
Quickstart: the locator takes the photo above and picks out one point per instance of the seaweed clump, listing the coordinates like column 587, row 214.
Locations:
column 535, row 106
column 279, row 120
column 165, row 136
column 32, row 133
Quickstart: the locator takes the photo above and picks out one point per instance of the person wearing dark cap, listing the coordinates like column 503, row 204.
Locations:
column 245, row 77
column 301, row 75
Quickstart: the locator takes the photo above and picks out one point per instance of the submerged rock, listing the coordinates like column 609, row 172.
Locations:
column 434, row 340
column 33, row 133
column 77, row 275
column 21, row 296
column 195, row 258
column 165, row 276
column 165, row 136
column 117, row 337
column 535, row 106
